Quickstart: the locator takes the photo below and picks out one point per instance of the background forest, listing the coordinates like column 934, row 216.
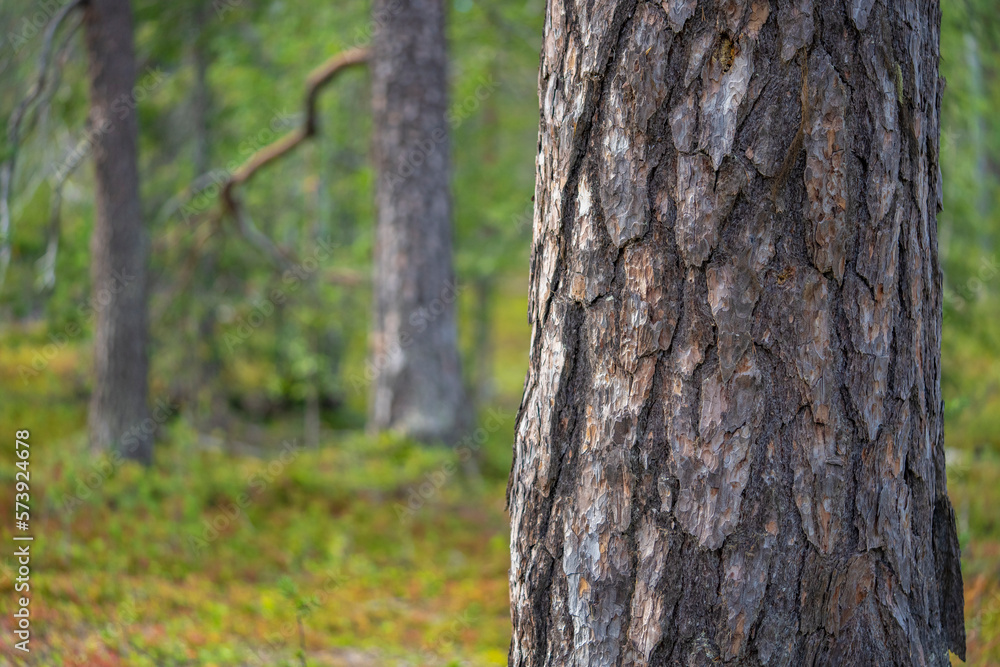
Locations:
column 272, row 530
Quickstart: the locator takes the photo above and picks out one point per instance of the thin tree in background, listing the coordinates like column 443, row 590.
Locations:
column 417, row 385
column 730, row 445
column 119, row 248
column 205, row 353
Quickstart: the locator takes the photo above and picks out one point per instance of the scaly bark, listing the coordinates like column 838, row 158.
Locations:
column 119, row 248
column 729, row 449
column 417, row 386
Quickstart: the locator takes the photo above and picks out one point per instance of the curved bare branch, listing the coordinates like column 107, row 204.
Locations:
column 318, row 79
column 16, row 120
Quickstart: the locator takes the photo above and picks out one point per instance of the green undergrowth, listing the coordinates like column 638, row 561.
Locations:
column 385, row 551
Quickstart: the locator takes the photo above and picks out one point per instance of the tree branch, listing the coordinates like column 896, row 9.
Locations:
column 230, row 205
column 14, row 127
column 47, row 263
column 319, row 78
column 316, row 81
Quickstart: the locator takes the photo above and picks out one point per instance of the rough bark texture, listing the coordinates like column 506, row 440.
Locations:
column 119, row 248
column 729, row 449
column 417, row 387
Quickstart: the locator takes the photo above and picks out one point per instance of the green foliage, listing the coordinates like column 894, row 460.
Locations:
column 212, row 557
column 257, row 57
column 969, row 225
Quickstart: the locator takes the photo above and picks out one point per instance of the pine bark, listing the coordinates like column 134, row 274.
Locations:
column 119, row 412
column 730, row 445
column 417, row 386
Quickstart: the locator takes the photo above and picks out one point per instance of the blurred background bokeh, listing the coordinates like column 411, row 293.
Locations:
column 258, row 537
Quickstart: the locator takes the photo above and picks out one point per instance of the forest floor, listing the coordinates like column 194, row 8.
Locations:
column 364, row 551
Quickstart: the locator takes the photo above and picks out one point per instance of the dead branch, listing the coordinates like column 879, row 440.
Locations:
column 316, row 81
column 47, row 263
column 14, row 126
column 319, row 78
column 198, row 186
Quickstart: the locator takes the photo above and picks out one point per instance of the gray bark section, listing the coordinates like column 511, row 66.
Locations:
column 119, row 248
column 417, row 386
column 730, row 447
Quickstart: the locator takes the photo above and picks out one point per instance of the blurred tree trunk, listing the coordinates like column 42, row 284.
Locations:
column 118, row 409
column 417, row 386
column 206, row 355
column 730, row 446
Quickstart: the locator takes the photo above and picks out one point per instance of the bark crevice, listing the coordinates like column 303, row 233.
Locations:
column 744, row 403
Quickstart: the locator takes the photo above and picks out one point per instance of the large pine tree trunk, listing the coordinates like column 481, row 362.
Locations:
column 418, row 383
column 118, row 408
column 729, row 449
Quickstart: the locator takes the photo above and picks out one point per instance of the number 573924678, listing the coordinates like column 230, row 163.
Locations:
column 22, row 478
